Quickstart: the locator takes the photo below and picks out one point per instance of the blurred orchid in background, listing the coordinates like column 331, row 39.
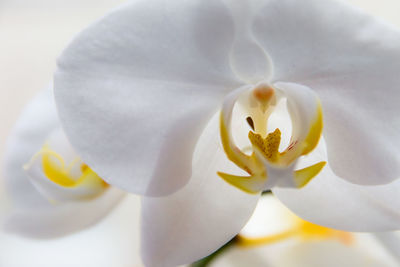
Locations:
column 54, row 185
column 199, row 107
column 275, row 237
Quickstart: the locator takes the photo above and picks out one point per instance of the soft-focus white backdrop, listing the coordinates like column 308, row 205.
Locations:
column 32, row 34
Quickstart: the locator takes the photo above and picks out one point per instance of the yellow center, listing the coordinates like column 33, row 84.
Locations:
column 57, row 171
column 266, row 146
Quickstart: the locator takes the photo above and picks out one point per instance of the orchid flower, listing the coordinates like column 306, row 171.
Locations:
column 201, row 105
column 51, row 191
column 274, row 236
column 114, row 241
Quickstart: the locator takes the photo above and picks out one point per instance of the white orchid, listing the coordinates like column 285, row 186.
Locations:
column 201, row 105
column 274, row 236
column 113, row 241
column 137, row 92
column 51, row 191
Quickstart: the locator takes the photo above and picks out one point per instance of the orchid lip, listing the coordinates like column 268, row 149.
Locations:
column 59, row 181
column 267, row 166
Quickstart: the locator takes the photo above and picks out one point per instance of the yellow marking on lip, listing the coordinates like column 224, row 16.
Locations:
column 268, row 146
column 315, row 132
column 304, row 176
column 249, row 184
column 54, row 168
column 234, row 155
column 247, row 163
column 299, row 148
column 252, row 184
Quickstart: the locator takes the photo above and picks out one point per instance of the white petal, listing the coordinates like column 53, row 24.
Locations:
column 391, row 242
column 271, row 218
column 112, row 242
column 31, row 213
column 365, row 251
column 352, row 60
column 61, row 219
column 248, row 59
column 202, row 216
column 329, row 254
column 333, row 202
column 135, row 90
column 36, row 122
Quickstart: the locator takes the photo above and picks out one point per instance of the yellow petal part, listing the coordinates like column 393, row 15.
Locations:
column 269, row 145
column 244, row 241
column 234, row 154
column 300, row 229
column 312, row 139
column 304, row 176
column 310, row 231
column 304, row 230
column 55, row 170
column 248, row 184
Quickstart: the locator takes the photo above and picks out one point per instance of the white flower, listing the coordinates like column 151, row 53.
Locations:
column 112, row 242
column 137, row 91
column 276, row 237
column 50, row 191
